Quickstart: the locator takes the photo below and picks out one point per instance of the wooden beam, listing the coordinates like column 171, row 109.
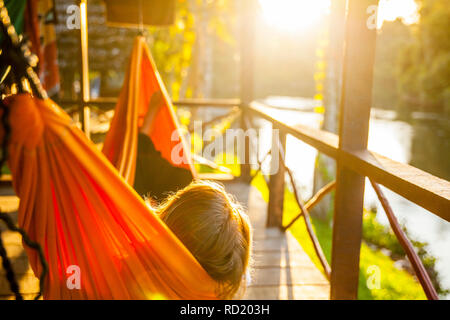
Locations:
column 84, row 70
column 420, row 187
column 359, row 58
column 218, row 103
column 110, row 102
column 276, row 181
column 247, row 56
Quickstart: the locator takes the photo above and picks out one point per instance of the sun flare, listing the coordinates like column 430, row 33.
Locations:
column 389, row 10
column 293, row 15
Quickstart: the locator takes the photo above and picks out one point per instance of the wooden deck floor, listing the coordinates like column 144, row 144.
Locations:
column 280, row 267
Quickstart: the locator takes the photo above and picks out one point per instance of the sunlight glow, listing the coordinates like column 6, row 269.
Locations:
column 390, row 10
column 293, row 15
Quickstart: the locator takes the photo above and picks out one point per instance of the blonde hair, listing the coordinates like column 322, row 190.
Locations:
column 215, row 229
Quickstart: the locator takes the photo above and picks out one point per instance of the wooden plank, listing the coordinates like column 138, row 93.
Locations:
column 420, row 187
column 137, row 13
column 276, row 181
column 247, row 35
column 84, row 70
column 347, row 233
column 247, row 57
column 215, row 103
column 280, row 268
column 413, row 257
column 359, row 57
column 110, row 102
column 287, row 292
column 334, row 56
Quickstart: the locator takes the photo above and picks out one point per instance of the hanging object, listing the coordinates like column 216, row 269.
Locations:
column 133, row 13
column 171, row 155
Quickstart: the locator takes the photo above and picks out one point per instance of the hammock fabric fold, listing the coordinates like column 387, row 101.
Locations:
column 74, row 203
column 141, row 82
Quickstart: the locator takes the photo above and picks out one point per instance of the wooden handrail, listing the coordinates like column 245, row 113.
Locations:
column 420, row 187
column 306, row 217
column 315, row 199
column 111, row 102
column 325, row 142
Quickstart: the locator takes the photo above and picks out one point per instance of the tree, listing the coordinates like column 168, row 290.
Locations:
column 424, row 66
column 392, row 39
column 173, row 47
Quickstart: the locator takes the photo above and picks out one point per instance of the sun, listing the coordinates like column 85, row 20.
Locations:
column 389, row 10
column 294, row 15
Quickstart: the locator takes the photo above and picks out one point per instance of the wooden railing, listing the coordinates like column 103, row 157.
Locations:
column 349, row 148
column 426, row 190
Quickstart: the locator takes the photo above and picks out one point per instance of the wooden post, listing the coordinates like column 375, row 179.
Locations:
column 325, row 169
column 247, row 56
column 276, row 181
column 84, row 110
column 353, row 133
column 334, row 65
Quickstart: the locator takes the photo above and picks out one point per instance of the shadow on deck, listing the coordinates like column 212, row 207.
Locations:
column 280, row 267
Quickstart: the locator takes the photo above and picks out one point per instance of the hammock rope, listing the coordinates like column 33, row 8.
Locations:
column 6, row 263
column 10, row 275
column 21, row 61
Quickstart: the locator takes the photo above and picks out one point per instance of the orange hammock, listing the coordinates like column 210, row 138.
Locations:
column 142, row 82
column 75, row 204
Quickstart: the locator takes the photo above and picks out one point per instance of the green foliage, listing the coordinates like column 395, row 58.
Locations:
column 395, row 284
column 379, row 235
column 424, row 68
column 231, row 162
column 382, row 237
column 5, row 170
column 174, row 48
column 392, row 38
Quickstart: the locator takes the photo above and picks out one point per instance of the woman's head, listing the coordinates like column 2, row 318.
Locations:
column 214, row 228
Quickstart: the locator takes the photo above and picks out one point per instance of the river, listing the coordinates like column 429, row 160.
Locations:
column 423, row 142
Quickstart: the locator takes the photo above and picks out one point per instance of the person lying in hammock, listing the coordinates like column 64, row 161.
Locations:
column 207, row 220
column 194, row 245
column 215, row 229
